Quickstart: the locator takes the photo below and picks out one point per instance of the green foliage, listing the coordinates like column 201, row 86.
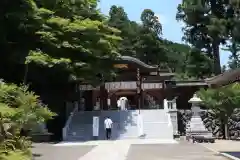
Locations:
column 60, row 36
column 205, row 26
column 222, row 102
column 143, row 41
column 27, row 106
column 19, row 109
column 69, row 37
column 209, row 24
column 16, row 155
column 74, row 40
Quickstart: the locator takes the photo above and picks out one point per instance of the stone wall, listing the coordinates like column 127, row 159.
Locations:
column 211, row 123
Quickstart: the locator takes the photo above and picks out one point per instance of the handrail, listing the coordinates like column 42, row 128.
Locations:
column 66, row 127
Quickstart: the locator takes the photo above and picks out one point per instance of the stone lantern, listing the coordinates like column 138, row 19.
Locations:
column 196, row 127
column 195, row 101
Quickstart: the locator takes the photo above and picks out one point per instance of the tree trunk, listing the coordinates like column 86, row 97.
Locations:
column 226, row 127
column 216, row 56
column 226, row 131
column 234, row 55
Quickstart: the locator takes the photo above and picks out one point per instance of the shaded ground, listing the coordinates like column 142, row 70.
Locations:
column 182, row 151
column 49, row 152
column 235, row 154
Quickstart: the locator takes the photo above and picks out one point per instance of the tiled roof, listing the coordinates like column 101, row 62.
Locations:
column 225, row 78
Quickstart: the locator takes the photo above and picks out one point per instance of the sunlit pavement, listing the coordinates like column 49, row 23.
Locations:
column 125, row 150
column 181, row 151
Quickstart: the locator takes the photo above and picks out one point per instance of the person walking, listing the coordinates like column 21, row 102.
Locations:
column 108, row 127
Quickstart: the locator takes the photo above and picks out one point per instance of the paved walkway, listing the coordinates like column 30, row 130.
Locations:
column 49, row 152
column 225, row 147
column 125, row 150
column 182, row 151
column 116, row 151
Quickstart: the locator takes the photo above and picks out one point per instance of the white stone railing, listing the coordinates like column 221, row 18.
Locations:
column 166, row 109
column 66, row 127
column 169, row 120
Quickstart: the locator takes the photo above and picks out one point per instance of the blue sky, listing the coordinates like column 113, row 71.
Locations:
column 165, row 9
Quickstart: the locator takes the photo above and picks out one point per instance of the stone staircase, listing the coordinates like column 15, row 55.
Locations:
column 155, row 125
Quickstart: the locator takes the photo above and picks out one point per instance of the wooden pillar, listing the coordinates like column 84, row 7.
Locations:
column 103, row 97
column 139, row 89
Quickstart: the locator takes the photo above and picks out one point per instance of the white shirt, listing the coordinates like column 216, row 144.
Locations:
column 108, row 123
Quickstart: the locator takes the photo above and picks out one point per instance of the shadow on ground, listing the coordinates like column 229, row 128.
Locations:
column 234, row 154
column 36, row 155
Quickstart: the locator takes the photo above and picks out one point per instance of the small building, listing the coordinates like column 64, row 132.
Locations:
column 151, row 92
column 144, row 86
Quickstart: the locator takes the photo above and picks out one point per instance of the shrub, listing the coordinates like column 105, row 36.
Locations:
column 19, row 109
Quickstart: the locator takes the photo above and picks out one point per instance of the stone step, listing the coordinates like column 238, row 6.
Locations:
column 155, row 124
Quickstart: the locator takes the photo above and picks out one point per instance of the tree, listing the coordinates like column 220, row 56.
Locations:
column 205, row 26
column 233, row 27
column 118, row 18
column 222, row 102
column 151, row 22
column 148, row 47
column 198, row 62
column 224, row 68
column 234, row 61
column 66, row 36
column 142, row 41
column 187, row 62
column 73, row 40
column 19, row 25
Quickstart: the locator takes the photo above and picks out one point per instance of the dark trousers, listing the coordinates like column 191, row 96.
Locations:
column 108, row 133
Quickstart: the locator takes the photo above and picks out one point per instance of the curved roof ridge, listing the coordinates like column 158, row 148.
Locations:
column 225, row 76
column 135, row 60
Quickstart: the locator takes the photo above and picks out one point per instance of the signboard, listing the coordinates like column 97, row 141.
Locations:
column 131, row 85
column 87, row 87
column 120, row 66
column 120, row 85
column 95, row 126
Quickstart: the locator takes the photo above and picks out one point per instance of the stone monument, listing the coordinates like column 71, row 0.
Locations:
column 196, row 129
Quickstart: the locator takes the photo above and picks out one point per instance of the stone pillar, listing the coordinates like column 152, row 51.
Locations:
column 173, row 113
column 171, row 107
